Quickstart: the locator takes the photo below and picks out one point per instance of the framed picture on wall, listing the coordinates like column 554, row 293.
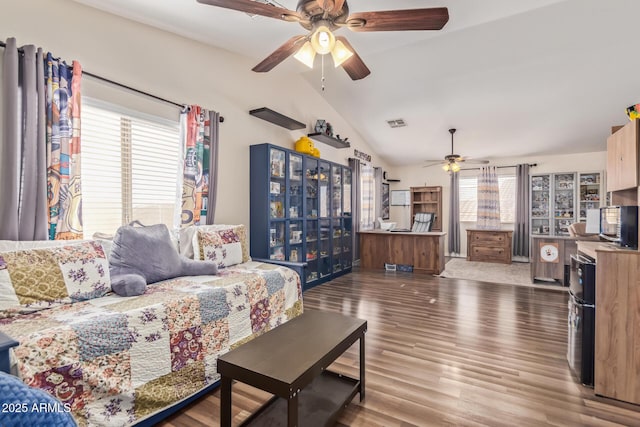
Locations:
column 385, row 201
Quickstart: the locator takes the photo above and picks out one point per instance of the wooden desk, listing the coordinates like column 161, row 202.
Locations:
column 423, row 251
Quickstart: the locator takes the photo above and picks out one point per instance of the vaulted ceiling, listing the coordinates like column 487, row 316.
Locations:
column 516, row 78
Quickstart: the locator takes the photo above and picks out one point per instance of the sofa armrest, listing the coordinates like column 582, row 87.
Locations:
column 6, row 342
column 298, row 267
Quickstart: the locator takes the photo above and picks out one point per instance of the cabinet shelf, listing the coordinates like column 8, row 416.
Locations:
column 428, row 200
column 329, row 140
column 276, row 118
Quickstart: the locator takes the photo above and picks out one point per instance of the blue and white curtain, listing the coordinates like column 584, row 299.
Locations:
column 488, row 199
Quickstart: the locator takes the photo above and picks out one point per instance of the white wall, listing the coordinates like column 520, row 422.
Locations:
column 187, row 72
column 415, row 176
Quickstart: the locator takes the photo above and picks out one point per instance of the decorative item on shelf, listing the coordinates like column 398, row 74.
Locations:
column 305, row 145
column 321, row 126
column 633, row 112
column 329, row 131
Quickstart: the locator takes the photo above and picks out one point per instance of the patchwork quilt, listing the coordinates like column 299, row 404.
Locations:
column 116, row 361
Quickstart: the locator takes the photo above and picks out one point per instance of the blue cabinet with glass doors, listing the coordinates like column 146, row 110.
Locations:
column 301, row 212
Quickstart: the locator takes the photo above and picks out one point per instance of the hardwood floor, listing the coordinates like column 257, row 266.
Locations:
column 448, row 352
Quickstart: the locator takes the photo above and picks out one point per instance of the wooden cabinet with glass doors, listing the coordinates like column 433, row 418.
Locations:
column 301, row 211
column 560, row 199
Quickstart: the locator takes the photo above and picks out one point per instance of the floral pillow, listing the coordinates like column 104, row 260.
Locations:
column 35, row 279
column 226, row 245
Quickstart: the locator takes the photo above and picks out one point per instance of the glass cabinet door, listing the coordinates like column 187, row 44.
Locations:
column 325, row 247
column 590, row 193
column 311, row 188
column 336, row 191
column 295, row 186
column 540, row 205
column 277, row 189
column 323, row 190
column 311, row 250
column 564, row 214
column 336, row 244
column 276, row 241
column 295, row 241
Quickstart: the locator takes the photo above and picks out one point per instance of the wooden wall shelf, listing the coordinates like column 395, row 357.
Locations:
column 329, row 140
column 276, row 118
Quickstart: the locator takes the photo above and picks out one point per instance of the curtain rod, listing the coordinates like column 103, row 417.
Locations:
column 106, row 80
column 498, row 167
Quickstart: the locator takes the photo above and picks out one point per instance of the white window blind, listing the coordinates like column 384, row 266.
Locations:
column 469, row 198
column 129, row 168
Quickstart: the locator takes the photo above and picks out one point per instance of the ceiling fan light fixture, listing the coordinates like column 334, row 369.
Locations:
column 323, row 40
column 455, row 167
column 340, row 53
column 306, row 54
column 446, row 167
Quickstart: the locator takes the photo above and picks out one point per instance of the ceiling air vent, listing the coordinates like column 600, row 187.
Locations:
column 397, row 123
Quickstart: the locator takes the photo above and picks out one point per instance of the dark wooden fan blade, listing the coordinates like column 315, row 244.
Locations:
column 290, row 47
column 354, row 66
column 255, row 8
column 399, row 20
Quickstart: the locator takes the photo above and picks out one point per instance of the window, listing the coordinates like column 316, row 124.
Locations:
column 129, row 167
column 367, row 197
column 469, row 198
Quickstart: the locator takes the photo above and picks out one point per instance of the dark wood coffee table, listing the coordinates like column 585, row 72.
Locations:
column 290, row 362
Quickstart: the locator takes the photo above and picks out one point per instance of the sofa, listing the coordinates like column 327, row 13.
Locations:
column 116, row 361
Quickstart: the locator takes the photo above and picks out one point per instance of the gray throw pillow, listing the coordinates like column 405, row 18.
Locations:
column 142, row 255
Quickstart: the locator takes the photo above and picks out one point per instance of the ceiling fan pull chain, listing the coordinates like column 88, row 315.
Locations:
column 322, row 80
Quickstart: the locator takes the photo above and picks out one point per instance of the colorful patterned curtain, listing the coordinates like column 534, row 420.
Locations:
column 64, row 189
column 488, row 199
column 196, row 133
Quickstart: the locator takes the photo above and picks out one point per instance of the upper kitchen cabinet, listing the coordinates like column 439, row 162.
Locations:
column 622, row 158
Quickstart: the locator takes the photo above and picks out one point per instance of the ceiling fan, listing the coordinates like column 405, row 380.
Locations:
column 452, row 161
column 321, row 18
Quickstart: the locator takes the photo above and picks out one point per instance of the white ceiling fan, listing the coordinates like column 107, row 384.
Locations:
column 452, row 161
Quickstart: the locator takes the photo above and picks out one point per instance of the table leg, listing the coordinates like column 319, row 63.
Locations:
column 292, row 411
column 362, row 367
column 225, row 402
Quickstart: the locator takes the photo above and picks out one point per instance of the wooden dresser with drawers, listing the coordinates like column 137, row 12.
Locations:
column 489, row 245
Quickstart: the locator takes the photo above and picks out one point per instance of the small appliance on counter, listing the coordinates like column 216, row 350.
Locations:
column 619, row 224
column 581, row 318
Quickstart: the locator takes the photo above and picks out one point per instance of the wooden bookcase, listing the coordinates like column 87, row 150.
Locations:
column 427, row 199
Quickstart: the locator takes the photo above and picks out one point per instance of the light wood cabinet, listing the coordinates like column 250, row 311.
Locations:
column 489, row 245
column 551, row 256
column 427, row 199
column 617, row 333
column 622, row 157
